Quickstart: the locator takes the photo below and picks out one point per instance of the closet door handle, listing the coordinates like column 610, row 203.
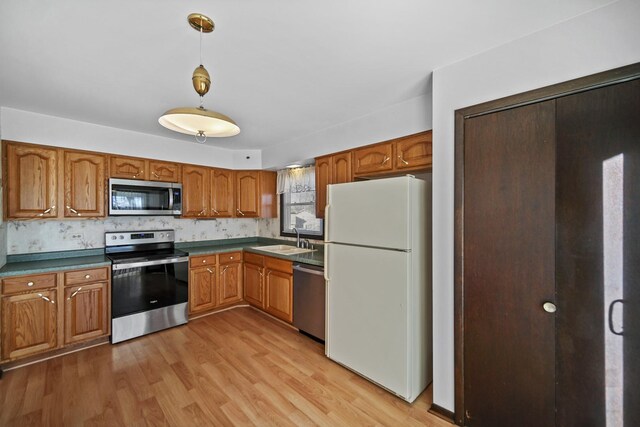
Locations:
column 611, row 306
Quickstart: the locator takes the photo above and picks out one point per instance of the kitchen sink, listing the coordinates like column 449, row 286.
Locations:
column 284, row 249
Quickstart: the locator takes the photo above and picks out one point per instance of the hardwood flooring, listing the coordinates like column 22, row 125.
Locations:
column 237, row 367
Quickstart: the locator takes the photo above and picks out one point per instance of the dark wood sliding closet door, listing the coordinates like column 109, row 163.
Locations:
column 549, row 262
column 598, row 212
column 509, row 239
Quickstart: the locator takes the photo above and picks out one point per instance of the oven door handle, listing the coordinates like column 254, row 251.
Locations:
column 123, row 266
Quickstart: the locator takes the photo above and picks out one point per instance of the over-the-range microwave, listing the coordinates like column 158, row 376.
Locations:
column 131, row 197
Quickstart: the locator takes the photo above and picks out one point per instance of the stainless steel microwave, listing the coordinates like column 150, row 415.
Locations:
column 131, row 197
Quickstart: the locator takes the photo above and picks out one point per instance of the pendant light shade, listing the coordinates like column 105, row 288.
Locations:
column 199, row 121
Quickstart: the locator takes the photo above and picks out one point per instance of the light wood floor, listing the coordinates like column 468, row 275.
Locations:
column 238, row 367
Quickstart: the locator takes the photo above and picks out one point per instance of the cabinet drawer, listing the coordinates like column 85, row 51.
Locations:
column 254, row 259
column 229, row 257
column 85, row 276
column 279, row 264
column 197, row 261
column 13, row 285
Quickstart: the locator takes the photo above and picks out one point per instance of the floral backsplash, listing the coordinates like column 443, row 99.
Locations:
column 49, row 236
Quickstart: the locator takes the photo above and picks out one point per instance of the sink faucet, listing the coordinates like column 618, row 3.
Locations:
column 297, row 237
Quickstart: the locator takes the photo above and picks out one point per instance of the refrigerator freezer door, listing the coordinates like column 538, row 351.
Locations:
column 372, row 213
column 367, row 313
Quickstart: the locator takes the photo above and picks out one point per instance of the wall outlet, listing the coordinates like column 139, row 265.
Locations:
column 77, row 236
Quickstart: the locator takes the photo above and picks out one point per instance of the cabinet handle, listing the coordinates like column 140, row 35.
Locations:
column 30, row 284
column 46, row 299
column 403, row 160
column 138, row 174
column 204, row 261
column 155, row 174
column 215, row 211
column 202, row 212
column 209, row 270
column 74, row 211
column 223, row 270
column 74, row 294
column 386, row 159
column 46, row 211
column 261, row 275
column 240, row 212
column 87, row 276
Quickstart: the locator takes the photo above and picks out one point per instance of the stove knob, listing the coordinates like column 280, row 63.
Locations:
column 121, row 237
column 113, row 237
column 161, row 235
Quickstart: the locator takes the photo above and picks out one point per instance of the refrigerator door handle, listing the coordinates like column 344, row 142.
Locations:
column 326, row 223
column 326, row 264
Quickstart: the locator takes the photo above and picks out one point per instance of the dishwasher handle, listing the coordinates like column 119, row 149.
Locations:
column 308, row 270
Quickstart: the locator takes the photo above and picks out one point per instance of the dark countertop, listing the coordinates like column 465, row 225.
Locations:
column 218, row 246
column 18, row 265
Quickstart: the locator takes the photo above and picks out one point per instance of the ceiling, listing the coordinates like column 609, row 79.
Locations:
column 282, row 69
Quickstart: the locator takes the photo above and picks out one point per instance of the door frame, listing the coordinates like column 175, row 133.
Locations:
column 606, row 78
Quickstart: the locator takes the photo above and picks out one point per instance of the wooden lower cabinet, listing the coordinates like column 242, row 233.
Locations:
column 202, row 289
column 279, row 288
column 29, row 323
column 43, row 312
column 230, row 282
column 253, row 284
column 86, row 312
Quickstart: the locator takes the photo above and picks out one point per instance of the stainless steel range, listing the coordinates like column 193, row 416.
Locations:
column 149, row 282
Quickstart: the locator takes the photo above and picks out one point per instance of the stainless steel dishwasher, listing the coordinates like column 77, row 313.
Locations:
column 309, row 300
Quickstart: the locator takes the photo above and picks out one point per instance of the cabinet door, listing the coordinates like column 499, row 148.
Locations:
column 195, row 191
column 86, row 312
column 84, row 184
column 279, row 295
column 230, row 283
column 253, row 289
column 374, row 159
column 127, row 168
column 341, row 168
column 414, row 152
column 222, row 193
column 247, row 194
column 202, row 289
column 323, row 178
column 164, row 171
column 32, row 181
column 29, row 323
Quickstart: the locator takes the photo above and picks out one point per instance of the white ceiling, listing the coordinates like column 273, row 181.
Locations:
column 281, row 69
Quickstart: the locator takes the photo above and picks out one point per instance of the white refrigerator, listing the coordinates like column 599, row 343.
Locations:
column 378, row 276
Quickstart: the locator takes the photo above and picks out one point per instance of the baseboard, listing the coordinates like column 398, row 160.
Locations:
column 440, row 412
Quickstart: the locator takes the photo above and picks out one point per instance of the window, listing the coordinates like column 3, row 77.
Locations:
column 298, row 203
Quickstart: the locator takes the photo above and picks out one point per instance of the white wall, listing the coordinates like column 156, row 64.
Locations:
column 25, row 126
column 404, row 118
column 599, row 40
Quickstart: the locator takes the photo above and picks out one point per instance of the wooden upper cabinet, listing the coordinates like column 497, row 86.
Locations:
column 195, row 191
column 413, row 152
column 127, row 167
column 373, row 159
column 341, row 168
column 29, row 323
column 222, row 193
column 31, row 185
column 247, row 194
column 323, row 178
column 84, row 184
column 164, row 171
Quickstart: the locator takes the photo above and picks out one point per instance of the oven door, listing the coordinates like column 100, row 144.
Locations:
column 130, row 197
column 143, row 286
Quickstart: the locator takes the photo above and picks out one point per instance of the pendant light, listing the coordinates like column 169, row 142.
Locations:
column 199, row 121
